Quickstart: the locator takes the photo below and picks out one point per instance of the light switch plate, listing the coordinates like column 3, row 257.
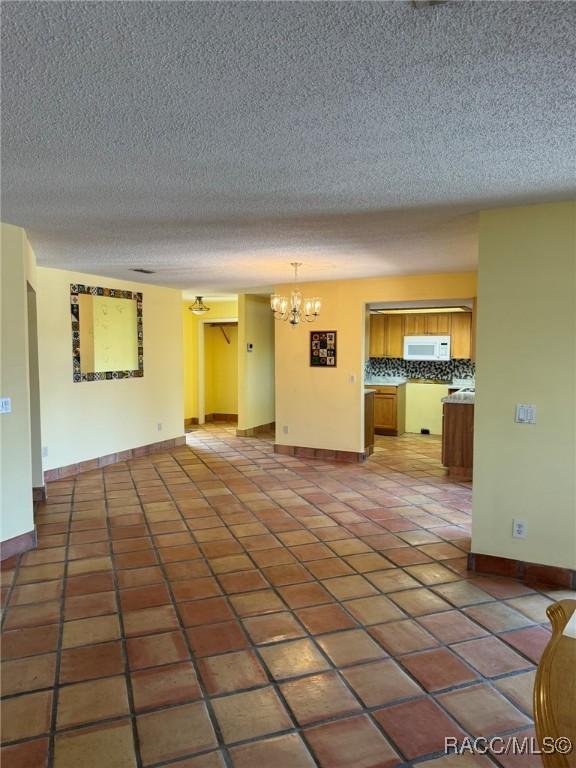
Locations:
column 525, row 414
column 5, row 405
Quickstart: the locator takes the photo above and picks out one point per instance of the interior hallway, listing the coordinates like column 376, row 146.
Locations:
column 247, row 608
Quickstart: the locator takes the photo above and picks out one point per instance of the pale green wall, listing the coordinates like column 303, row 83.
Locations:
column 17, row 268
column 526, row 353
column 256, row 397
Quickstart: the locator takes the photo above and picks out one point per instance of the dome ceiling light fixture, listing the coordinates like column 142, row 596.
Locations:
column 198, row 307
column 295, row 309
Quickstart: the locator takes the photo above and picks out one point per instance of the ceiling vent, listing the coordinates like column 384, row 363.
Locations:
column 144, row 271
column 427, row 3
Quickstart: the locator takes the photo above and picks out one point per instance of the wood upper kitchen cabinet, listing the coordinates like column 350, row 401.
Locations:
column 438, row 324
column 386, row 336
column 415, row 325
column 461, row 335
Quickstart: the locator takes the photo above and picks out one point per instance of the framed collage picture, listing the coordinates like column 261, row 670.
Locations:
column 323, row 349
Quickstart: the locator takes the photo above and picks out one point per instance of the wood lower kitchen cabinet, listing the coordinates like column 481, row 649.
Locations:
column 458, row 439
column 368, row 422
column 390, row 410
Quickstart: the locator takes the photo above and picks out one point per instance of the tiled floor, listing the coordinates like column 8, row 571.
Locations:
column 221, row 605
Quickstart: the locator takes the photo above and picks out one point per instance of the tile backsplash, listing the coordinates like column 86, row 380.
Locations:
column 440, row 370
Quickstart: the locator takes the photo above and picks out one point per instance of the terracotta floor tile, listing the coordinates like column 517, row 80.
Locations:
column 373, row 610
column 90, row 565
column 209, row 760
column 461, row 593
column 36, row 593
column 498, row 617
column 84, row 606
column 86, row 585
column 381, row 682
column 418, row 727
column 135, row 559
column 502, row 588
column 351, row 743
column 325, row 618
column 152, row 650
column 251, row 714
column 368, row 562
column 255, row 603
column 211, row 639
column 231, row 563
column 350, row 647
column 26, row 716
column 20, row 616
column 20, row 675
column 29, row 642
column 303, row 595
column 348, row 587
column 273, row 557
column 438, row 669
column 169, row 684
column 186, row 570
column 200, row 612
column 40, row 573
column 147, row 596
column 452, row 626
column 91, row 701
column 147, row 620
column 406, row 556
column 287, row 751
column 195, row 589
column 87, row 662
column 482, row 710
column 231, row 672
column 533, row 606
column 243, row 581
column 399, row 637
column 293, row 538
column 98, row 629
column 292, row 573
column 305, row 552
column 292, row 659
column 490, row 656
column 319, row 697
column 392, row 580
column 221, row 548
column 175, row 732
column 103, row 744
column 519, row 689
column 530, row 641
column 273, row 628
column 328, row 569
column 432, row 573
column 418, row 602
column 29, row 754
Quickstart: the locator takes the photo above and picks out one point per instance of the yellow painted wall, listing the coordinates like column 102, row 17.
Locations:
column 323, row 408
column 115, row 334
column 256, row 401
column 81, row 421
column 218, row 310
column 424, row 407
column 526, row 353
column 221, row 369
column 17, row 268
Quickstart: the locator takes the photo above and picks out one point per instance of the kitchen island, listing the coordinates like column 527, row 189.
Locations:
column 458, row 434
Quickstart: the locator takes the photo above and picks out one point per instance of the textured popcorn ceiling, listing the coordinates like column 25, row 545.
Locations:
column 216, row 142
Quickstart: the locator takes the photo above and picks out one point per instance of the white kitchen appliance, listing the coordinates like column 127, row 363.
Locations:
column 426, row 347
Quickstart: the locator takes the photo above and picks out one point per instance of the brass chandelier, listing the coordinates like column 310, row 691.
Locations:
column 295, row 309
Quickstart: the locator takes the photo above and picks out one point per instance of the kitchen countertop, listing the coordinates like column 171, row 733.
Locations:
column 397, row 381
column 462, row 397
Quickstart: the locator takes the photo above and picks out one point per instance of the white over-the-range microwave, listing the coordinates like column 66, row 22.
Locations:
column 426, row 347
